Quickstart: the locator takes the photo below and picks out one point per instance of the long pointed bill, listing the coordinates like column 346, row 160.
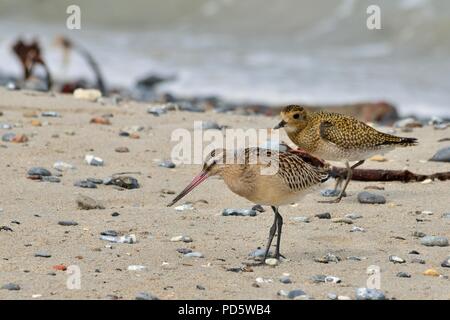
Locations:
column 202, row 176
column 280, row 125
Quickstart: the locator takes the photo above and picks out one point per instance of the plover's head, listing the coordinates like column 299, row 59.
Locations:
column 293, row 118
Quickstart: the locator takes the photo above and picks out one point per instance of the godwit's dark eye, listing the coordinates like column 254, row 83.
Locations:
column 296, row 116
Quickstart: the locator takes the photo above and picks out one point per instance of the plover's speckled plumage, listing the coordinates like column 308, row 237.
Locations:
column 265, row 177
column 336, row 137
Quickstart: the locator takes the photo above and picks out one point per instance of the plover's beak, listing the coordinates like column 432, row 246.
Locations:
column 280, row 125
column 202, row 176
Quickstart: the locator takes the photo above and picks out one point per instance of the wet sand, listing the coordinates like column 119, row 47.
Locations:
column 36, row 207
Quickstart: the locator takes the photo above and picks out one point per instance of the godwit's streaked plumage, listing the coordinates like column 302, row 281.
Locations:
column 336, row 137
column 265, row 177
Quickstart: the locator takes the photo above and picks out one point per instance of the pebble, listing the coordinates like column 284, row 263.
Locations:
column 296, row 293
column 418, row 234
column 185, row 239
column 443, row 155
column 369, row 294
column 42, row 254
column 145, row 296
column 403, row 275
column 115, row 214
column 136, row 268
column 93, row 160
column 407, row 123
column 88, row 203
column 239, row 212
column 325, row 215
column 431, row 273
column 259, row 208
column 414, row 252
column 85, row 184
column 122, row 149
column 418, row 260
column 271, row 262
column 285, row 278
column 50, row 114
column 167, row 164
column 331, row 193
column 210, row 125
column 329, row 257
column 446, row 263
column 67, row 223
column 130, row 239
column 332, row 296
column 194, row 254
column 95, row 180
column 258, row 253
column 357, row 229
column 12, row 86
column 100, row 120
column 378, row 158
column 371, row 198
column 318, row 278
column 184, row 250
column 200, row 287
column 396, row 259
column 51, row 179
column 11, row 287
column 353, row 216
column 332, row 279
column 62, row 166
column 446, row 215
column 434, row 241
column 184, row 207
column 157, row 111
column 302, row 219
column 87, row 94
column 39, row 172
column 125, row 182
column 342, row 220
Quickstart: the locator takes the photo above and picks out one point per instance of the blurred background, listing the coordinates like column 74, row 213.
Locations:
column 271, row 52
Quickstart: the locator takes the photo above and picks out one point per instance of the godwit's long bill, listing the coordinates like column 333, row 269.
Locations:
column 264, row 177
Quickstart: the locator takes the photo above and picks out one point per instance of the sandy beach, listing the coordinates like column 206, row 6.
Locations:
column 32, row 209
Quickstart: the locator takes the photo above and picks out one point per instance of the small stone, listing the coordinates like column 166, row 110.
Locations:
column 285, row 279
column 194, row 254
column 210, row 125
column 408, row 123
column 36, row 123
column 8, row 137
column 332, row 279
column 100, row 120
column 446, row 263
column 353, row 216
column 88, row 203
column 258, row 253
column 239, row 212
column 414, row 252
column 185, row 239
column 93, row 160
column 62, row 166
column 184, row 250
column 51, row 179
column 42, row 254
column 184, row 207
column 167, row 164
column 403, row 275
column 200, row 287
column 329, row 257
column 443, row 155
column 85, row 184
column 11, row 287
column 332, row 296
column 157, row 111
column 259, row 208
column 369, row 294
column 39, row 172
column 378, row 158
column 325, row 215
column 111, row 233
column 145, row 296
column 51, row 114
column 122, row 150
column 331, row 193
column 115, row 214
column 418, row 234
column 296, row 293
column 396, row 259
column 342, row 220
column 357, row 229
column 446, row 215
column 271, row 262
column 431, row 273
column 371, row 198
column 302, row 219
column 12, row 86
column 434, row 241
column 319, row 278
column 67, row 223
column 125, row 182
column 418, row 260
column 136, row 268
column 87, row 94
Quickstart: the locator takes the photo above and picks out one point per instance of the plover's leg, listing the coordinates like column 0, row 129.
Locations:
column 272, row 232
column 347, row 181
column 279, row 225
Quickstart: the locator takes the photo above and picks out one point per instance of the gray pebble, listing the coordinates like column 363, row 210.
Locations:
column 126, row 182
column 403, row 275
column 50, row 179
column 239, row 212
column 285, row 280
column 332, row 296
column 145, row 296
column 110, row 233
column 95, row 180
column 446, row 263
column 369, row 294
column 296, row 293
column 395, row 259
column 42, row 254
column 371, row 198
column 200, row 287
column 39, row 172
column 258, row 253
column 194, row 255
column 418, row 234
column 85, row 184
column 259, row 208
column 67, row 223
column 434, row 241
column 319, row 278
column 52, row 114
column 210, row 125
column 325, row 215
column 184, row 250
column 302, row 219
column 353, row 216
column 418, row 260
column 443, row 155
column 167, row 164
column 11, row 287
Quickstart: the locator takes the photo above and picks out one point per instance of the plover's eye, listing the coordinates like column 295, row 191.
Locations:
column 296, row 116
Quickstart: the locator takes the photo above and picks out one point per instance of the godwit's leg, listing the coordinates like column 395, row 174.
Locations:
column 347, row 180
column 272, row 232
column 279, row 225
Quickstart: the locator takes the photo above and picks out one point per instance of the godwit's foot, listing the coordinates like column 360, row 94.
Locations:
column 337, row 200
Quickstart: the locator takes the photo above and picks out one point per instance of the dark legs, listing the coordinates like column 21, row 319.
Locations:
column 347, row 181
column 276, row 228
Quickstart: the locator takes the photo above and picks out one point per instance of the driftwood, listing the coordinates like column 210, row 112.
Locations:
column 388, row 175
